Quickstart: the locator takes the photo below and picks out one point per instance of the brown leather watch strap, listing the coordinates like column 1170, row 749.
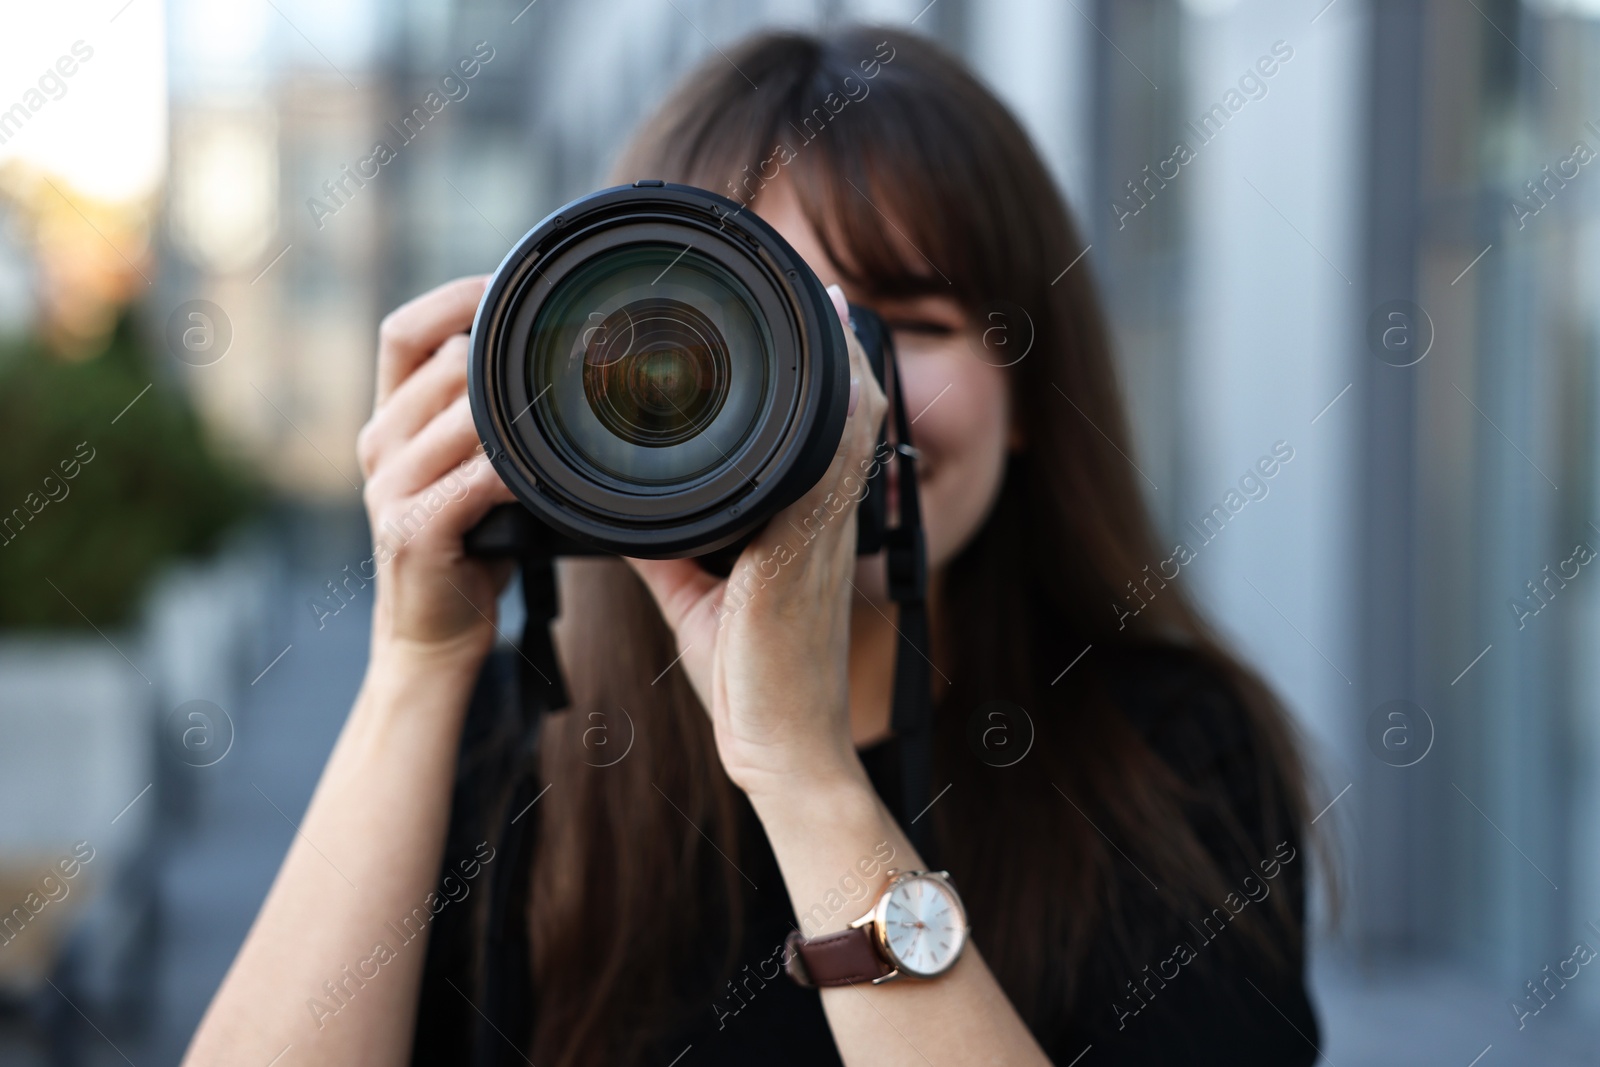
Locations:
column 843, row 958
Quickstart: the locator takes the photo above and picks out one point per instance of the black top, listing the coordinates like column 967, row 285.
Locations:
column 1216, row 1006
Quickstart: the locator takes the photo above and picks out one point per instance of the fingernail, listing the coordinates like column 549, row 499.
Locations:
column 840, row 304
column 855, row 395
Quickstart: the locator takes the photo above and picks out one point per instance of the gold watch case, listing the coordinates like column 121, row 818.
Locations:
column 877, row 918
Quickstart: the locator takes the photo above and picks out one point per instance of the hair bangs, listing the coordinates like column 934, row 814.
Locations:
column 897, row 182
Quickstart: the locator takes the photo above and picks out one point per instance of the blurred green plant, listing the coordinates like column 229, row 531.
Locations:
column 152, row 490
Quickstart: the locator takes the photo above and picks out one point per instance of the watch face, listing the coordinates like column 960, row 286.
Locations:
column 924, row 926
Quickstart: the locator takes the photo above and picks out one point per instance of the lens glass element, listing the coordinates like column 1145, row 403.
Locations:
column 655, row 372
column 650, row 366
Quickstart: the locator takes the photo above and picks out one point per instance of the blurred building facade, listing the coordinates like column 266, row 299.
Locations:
column 1378, row 252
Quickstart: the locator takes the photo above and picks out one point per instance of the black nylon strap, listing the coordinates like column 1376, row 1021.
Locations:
column 539, row 670
column 911, row 717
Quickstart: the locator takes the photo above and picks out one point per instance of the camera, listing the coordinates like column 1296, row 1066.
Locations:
column 655, row 372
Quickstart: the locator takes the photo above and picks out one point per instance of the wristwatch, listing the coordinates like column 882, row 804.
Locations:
column 916, row 929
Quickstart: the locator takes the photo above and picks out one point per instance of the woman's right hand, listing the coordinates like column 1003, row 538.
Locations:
column 428, row 483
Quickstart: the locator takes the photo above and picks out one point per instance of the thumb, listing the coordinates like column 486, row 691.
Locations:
column 679, row 586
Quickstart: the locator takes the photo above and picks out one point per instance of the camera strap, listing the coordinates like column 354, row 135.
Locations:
column 911, row 717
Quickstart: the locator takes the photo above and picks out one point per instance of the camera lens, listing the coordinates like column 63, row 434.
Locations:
column 651, row 365
column 656, row 372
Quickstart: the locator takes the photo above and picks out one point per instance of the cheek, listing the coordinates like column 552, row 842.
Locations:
column 962, row 411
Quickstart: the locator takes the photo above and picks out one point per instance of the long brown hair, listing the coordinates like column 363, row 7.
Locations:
column 627, row 881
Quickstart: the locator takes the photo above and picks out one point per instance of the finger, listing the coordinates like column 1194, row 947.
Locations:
column 450, row 506
column 469, row 492
column 679, row 586
column 867, row 401
column 864, row 427
column 449, row 439
column 411, row 332
column 823, row 512
column 440, row 379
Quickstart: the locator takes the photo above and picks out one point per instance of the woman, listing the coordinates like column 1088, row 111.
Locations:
column 1130, row 867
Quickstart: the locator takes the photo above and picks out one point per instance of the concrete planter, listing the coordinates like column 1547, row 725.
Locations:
column 77, row 748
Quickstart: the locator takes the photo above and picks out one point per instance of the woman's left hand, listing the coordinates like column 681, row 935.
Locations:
column 770, row 659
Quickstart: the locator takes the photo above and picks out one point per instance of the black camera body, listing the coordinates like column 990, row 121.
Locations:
column 655, row 372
